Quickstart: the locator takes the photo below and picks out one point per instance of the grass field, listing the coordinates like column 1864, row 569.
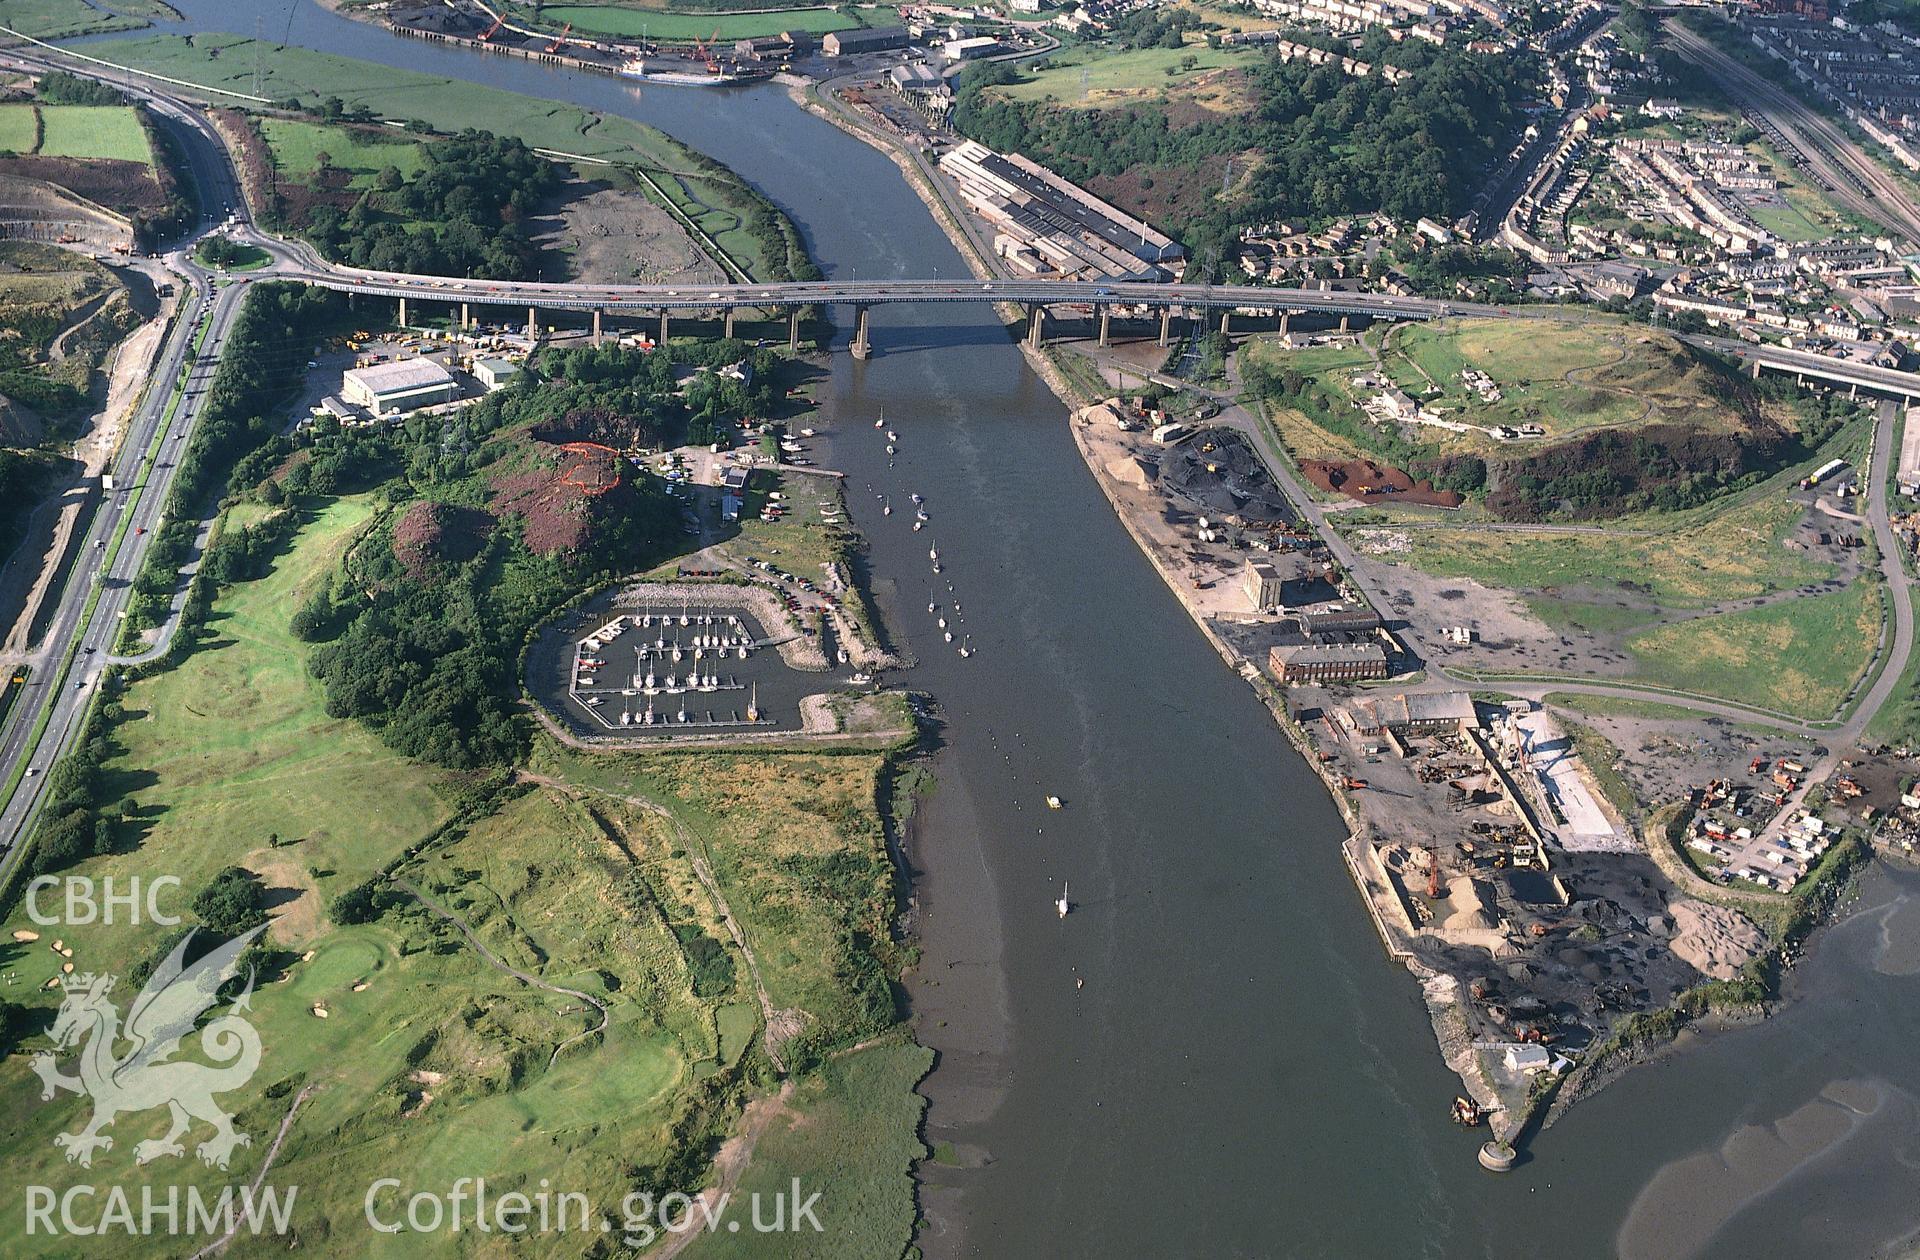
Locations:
column 1797, row 657
column 226, row 62
column 109, row 132
column 1113, row 79
column 1700, row 558
column 1565, row 377
column 717, row 202
column 1619, row 706
column 849, row 1135
column 432, row 1063
column 19, row 128
column 103, row 132
column 608, row 20
column 56, row 19
column 297, row 147
column 236, row 744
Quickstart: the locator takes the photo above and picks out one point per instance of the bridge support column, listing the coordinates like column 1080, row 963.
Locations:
column 663, row 325
column 1226, row 322
column 1853, row 391
column 862, row 345
column 1800, row 379
column 727, row 323
column 1756, row 369
column 1166, row 327
column 1283, row 322
column 533, row 324
column 596, row 325
column 1346, row 324
column 793, row 331
column 466, row 317
column 403, row 312
column 1036, row 326
column 1106, row 327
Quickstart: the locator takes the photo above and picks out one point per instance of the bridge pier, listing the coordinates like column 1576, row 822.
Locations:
column 862, row 344
column 1853, row 391
column 1106, row 327
column 663, row 325
column 1226, row 322
column 1166, row 327
column 726, row 325
column 1283, row 322
column 596, row 325
column 1036, row 326
column 466, row 318
column 403, row 312
column 1345, row 326
column 533, row 324
column 793, row 331
column 1756, row 369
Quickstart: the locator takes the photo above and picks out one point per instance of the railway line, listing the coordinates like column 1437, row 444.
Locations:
column 1817, row 146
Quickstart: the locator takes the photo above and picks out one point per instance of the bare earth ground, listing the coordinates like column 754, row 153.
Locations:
column 1509, row 637
column 131, row 364
column 1665, row 759
column 615, row 237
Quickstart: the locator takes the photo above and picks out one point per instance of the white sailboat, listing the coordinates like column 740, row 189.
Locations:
column 966, row 646
column 1063, row 906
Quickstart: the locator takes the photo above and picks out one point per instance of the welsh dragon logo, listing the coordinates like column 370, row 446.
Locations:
column 143, row 1078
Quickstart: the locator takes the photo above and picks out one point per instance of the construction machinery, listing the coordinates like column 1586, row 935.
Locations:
column 488, row 34
column 560, row 40
column 705, row 47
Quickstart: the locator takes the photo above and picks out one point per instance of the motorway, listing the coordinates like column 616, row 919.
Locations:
column 86, row 622
column 1827, row 149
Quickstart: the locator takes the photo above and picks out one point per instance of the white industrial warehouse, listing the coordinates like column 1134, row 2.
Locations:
column 398, row 386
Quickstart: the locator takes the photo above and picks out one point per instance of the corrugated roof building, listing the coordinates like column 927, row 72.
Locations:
column 399, row 386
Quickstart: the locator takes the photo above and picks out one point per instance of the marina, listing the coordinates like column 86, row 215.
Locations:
column 630, row 665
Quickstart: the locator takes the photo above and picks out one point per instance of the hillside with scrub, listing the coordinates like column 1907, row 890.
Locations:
column 1157, row 116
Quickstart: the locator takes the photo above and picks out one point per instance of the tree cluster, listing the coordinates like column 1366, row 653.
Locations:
column 1325, row 143
column 464, row 214
column 57, row 87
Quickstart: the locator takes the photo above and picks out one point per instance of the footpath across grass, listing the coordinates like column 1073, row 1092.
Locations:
column 1799, row 657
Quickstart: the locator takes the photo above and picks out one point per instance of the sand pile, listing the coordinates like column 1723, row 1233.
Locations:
column 1126, row 470
column 1715, row 940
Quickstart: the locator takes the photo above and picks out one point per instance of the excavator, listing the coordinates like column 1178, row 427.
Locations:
column 488, row 34
column 560, row 40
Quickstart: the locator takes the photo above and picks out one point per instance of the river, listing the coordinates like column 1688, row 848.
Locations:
column 1243, row 1072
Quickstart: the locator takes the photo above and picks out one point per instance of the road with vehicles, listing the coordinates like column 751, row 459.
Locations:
column 85, row 624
